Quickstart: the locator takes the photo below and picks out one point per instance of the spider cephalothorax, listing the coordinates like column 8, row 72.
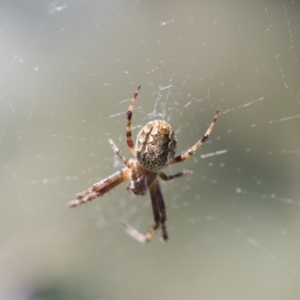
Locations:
column 155, row 149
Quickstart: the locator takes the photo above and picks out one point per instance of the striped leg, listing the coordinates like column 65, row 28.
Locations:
column 192, row 150
column 128, row 126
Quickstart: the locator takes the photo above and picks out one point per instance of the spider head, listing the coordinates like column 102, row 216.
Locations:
column 155, row 145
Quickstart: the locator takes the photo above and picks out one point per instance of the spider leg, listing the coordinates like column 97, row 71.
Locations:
column 149, row 235
column 159, row 214
column 119, row 153
column 193, row 149
column 156, row 212
column 100, row 188
column 156, row 195
column 165, row 177
column 128, row 126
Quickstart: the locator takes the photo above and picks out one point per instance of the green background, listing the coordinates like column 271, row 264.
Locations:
column 68, row 71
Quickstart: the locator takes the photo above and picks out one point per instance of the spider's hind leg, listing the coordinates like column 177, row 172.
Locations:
column 198, row 144
column 119, row 153
column 129, row 117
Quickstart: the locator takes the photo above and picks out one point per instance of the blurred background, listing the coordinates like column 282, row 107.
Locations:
column 68, row 71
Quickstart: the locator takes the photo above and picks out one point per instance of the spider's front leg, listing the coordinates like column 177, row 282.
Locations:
column 159, row 214
column 100, row 188
column 158, row 200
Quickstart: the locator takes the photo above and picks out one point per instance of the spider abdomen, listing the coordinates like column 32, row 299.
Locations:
column 155, row 145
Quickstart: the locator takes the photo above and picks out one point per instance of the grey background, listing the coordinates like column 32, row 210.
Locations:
column 68, row 71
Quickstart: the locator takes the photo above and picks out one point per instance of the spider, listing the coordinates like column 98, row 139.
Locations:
column 154, row 150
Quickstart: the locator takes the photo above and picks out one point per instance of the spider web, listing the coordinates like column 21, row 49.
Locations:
column 69, row 69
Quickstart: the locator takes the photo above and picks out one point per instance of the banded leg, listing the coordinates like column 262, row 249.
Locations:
column 159, row 213
column 166, row 177
column 192, row 150
column 147, row 237
column 129, row 116
column 100, row 188
column 119, row 153
column 156, row 193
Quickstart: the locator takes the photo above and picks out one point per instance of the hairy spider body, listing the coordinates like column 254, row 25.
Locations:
column 154, row 150
column 140, row 179
column 155, row 145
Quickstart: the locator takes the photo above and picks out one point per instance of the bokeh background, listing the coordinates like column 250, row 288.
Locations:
column 68, row 71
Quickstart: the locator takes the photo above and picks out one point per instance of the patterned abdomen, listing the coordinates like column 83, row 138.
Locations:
column 155, row 145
